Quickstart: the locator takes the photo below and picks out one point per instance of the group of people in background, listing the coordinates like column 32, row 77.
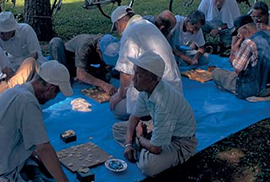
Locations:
column 147, row 58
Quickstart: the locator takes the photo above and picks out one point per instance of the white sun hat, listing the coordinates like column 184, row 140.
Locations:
column 151, row 62
column 7, row 22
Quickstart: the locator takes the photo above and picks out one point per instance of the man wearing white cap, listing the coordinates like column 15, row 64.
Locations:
column 21, row 43
column 82, row 53
column 138, row 36
column 19, row 40
column 173, row 139
column 22, row 132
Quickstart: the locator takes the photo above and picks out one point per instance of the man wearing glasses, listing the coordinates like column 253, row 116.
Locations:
column 251, row 68
column 260, row 15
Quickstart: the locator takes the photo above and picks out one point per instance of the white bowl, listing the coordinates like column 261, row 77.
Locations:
column 116, row 165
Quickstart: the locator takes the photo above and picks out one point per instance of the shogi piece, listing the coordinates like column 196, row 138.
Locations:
column 198, row 75
column 85, row 175
column 68, row 136
column 97, row 94
column 82, row 156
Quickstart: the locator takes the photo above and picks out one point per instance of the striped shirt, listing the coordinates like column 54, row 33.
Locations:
column 171, row 113
column 247, row 54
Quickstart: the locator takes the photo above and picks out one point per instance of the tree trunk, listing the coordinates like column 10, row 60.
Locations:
column 37, row 13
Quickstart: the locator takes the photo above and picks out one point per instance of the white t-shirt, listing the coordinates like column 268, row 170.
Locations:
column 179, row 37
column 227, row 14
column 139, row 36
column 24, row 43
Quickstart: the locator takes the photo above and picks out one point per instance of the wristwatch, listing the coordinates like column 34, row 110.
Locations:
column 219, row 28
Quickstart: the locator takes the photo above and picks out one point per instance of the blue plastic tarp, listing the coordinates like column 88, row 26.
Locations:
column 218, row 114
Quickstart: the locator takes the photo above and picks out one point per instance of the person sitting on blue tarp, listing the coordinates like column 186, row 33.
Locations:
column 83, row 57
column 188, row 32
column 22, row 131
column 173, row 138
column 250, row 60
column 219, row 15
column 137, row 36
column 9, row 78
column 21, row 44
column 260, row 14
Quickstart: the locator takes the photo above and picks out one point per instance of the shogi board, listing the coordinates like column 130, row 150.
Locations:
column 198, row 75
column 97, row 94
column 82, row 156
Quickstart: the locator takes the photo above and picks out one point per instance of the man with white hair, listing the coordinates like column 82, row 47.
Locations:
column 82, row 53
column 138, row 36
column 173, row 138
column 219, row 15
column 20, row 41
column 22, row 131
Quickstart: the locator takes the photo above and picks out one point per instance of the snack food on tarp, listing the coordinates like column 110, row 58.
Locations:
column 81, row 105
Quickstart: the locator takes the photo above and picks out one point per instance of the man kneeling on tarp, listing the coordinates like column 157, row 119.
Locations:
column 173, row 138
column 22, row 131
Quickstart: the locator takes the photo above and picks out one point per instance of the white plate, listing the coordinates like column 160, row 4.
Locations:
column 122, row 165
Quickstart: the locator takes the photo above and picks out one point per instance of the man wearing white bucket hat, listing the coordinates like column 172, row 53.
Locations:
column 20, row 42
column 22, row 131
column 138, row 36
column 83, row 52
column 173, row 139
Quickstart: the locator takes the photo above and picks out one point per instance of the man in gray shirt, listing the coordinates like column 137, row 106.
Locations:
column 22, row 132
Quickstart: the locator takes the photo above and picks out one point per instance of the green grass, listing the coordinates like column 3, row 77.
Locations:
column 72, row 19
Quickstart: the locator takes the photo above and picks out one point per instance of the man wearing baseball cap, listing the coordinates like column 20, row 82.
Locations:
column 22, row 131
column 250, row 59
column 138, row 36
column 173, row 139
column 84, row 55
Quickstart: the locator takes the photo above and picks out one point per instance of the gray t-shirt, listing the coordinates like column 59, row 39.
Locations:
column 21, row 127
column 84, row 47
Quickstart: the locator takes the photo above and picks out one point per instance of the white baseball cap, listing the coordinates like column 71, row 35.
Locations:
column 119, row 13
column 151, row 62
column 7, row 22
column 56, row 73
